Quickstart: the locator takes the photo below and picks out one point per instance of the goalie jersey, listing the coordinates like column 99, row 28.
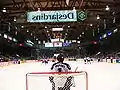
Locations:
column 62, row 82
column 60, row 67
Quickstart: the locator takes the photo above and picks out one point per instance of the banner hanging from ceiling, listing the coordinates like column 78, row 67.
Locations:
column 52, row 16
column 55, row 16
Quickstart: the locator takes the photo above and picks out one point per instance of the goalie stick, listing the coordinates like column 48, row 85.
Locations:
column 76, row 69
column 72, row 79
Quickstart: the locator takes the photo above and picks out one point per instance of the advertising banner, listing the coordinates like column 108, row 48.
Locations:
column 52, row 16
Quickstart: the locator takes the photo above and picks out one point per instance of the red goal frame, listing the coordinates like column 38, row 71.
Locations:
column 57, row 74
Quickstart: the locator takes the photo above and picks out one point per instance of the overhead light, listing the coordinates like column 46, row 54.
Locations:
column 80, row 35
column 36, row 38
column 14, row 40
column 107, row 8
column 115, row 30
column 5, row 36
column 45, row 26
column 74, row 8
column 98, row 53
column 43, row 42
column 38, row 9
column 22, row 26
column 16, row 32
column 78, row 41
column 27, row 30
column 57, row 29
column 68, row 26
column 104, row 36
column 98, row 17
column 15, row 19
column 74, row 40
column 39, row 42
column 66, row 34
column 91, row 25
column 83, row 33
column 4, row 10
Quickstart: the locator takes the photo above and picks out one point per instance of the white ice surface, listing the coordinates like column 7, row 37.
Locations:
column 101, row 76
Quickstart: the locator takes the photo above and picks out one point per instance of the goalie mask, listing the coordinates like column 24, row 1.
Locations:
column 60, row 58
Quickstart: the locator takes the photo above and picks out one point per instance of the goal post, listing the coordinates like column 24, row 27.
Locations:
column 40, row 80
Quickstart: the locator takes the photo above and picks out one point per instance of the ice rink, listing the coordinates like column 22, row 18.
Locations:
column 101, row 76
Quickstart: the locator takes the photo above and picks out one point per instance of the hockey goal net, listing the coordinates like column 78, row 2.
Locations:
column 57, row 80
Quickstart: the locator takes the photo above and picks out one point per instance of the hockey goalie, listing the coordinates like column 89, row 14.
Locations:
column 61, row 82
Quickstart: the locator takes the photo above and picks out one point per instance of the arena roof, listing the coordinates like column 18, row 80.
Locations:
column 87, row 30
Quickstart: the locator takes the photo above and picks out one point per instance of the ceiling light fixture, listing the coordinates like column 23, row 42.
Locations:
column 98, row 17
column 57, row 29
column 83, row 33
column 107, row 8
column 15, row 19
column 115, row 30
column 38, row 9
column 16, row 32
column 4, row 10
column 66, row 34
column 68, row 26
column 22, row 26
column 80, row 35
column 91, row 25
column 74, row 8
column 39, row 42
